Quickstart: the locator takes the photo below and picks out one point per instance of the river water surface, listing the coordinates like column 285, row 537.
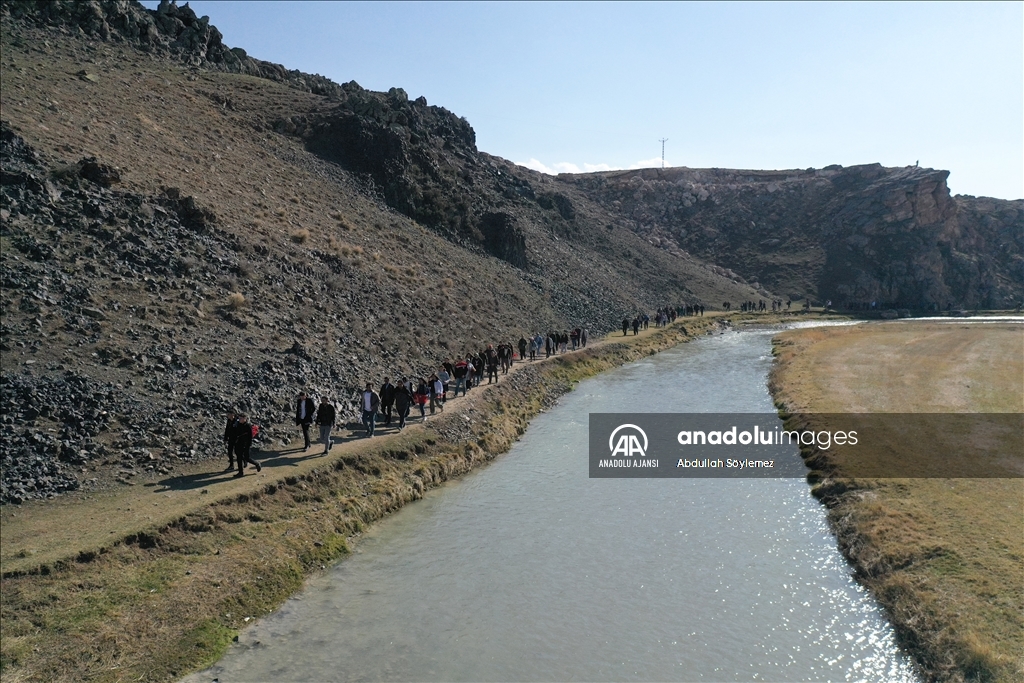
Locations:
column 527, row 570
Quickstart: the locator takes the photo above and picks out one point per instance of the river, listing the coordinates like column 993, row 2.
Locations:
column 527, row 570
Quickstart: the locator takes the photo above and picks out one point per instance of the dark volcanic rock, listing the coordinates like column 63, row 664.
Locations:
column 101, row 174
column 52, row 415
column 503, row 239
column 854, row 235
column 417, row 157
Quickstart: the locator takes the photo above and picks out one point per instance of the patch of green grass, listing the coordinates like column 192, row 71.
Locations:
column 200, row 647
column 13, row 650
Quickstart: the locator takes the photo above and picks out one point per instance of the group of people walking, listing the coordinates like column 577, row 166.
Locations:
column 554, row 342
column 394, row 401
column 238, row 436
column 759, row 306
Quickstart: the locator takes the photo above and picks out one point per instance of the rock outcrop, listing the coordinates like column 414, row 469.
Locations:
column 857, row 235
column 503, row 239
column 171, row 30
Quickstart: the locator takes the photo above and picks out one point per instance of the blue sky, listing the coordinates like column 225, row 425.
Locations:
column 577, row 86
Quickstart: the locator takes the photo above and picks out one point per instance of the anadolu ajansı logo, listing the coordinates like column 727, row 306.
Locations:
column 628, row 444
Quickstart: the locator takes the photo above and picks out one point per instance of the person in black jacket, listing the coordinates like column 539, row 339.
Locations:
column 479, row 363
column 387, row 399
column 492, row 363
column 229, row 437
column 403, row 402
column 304, row 412
column 325, row 418
column 243, row 444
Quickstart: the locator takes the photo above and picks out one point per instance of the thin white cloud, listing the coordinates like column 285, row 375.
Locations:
column 553, row 169
column 569, row 167
column 654, row 162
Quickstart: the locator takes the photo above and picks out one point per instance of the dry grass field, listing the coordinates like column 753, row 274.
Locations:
column 945, row 556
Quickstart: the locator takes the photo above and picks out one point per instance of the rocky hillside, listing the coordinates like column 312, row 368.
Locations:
column 853, row 235
column 185, row 229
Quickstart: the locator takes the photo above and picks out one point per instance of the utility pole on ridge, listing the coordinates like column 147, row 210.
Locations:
column 663, row 141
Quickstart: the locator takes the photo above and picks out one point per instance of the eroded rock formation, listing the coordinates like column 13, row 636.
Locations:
column 856, row 235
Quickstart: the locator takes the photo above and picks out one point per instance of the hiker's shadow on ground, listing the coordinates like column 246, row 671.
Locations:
column 267, row 459
column 188, row 482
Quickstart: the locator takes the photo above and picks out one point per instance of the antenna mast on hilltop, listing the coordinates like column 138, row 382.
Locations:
column 663, row 141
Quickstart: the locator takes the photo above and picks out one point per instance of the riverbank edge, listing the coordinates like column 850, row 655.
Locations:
column 920, row 632
column 166, row 601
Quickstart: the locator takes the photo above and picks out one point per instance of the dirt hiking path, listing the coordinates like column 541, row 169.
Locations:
column 42, row 532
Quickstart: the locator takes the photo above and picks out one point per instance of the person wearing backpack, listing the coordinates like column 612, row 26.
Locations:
column 244, row 432
column 421, row 395
column 479, row 363
column 445, row 375
column 325, row 415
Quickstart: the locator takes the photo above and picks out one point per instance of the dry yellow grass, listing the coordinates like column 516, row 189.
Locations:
column 945, row 557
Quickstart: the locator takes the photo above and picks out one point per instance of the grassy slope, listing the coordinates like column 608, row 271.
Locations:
column 169, row 589
column 944, row 556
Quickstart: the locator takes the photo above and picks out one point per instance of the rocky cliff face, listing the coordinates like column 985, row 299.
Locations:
column 853, row 235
